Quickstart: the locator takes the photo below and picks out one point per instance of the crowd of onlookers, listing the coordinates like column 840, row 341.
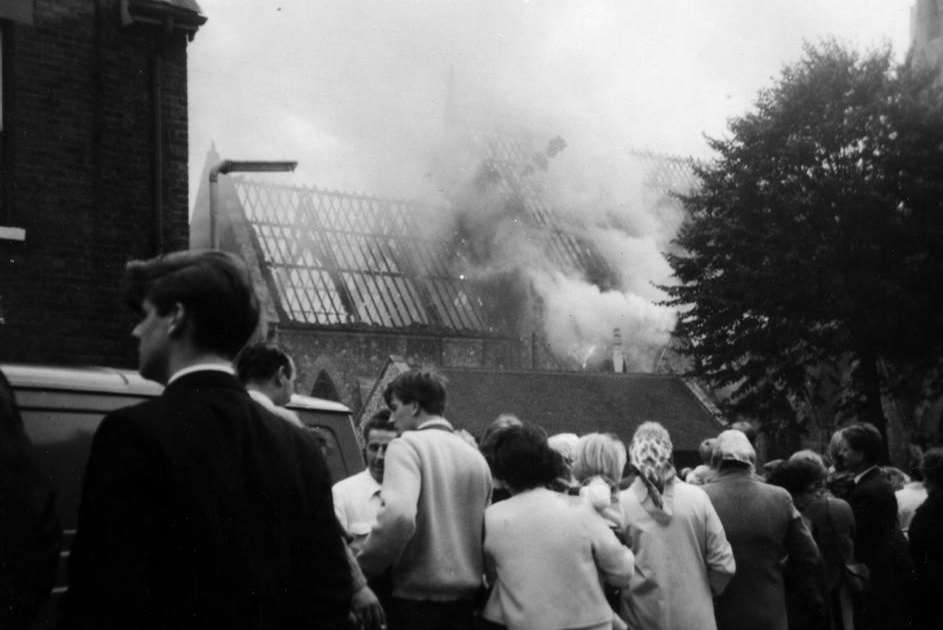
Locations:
column 211, row 505
column 588, row 532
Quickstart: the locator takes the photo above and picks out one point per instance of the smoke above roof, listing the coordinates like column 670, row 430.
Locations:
column 379, row 97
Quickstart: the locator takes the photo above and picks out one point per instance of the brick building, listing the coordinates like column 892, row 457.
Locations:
column 93, row 167
column 349, row 280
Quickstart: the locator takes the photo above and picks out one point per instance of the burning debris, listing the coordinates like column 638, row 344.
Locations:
column 573, row 275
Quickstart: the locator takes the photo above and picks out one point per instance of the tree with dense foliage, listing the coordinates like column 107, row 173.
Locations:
column 816, row 237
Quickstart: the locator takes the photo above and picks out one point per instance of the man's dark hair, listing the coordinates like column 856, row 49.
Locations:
column 419, row 386
column 865, row 438
column 213, row 286
column 523, row 459
column 380, row 421
column 798, row 475
column 932, row 467
column 261, row 361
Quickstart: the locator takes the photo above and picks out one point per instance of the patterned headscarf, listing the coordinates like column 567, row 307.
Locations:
column 650, row 455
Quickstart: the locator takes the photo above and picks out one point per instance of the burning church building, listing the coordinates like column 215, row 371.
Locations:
column 491, row 285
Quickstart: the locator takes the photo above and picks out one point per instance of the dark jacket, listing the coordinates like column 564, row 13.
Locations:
column 833, row 527
column 881, row 545
column 764, row 529
column 201, row 509
column 926, row 549
column 30, row 537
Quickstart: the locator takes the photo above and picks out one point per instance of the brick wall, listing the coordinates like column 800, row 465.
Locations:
column 79, row 137
column 354, row 360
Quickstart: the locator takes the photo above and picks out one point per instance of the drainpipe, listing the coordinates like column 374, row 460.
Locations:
column 222, row 167
column 157, row 97
column 239, row 166
column 158, row 152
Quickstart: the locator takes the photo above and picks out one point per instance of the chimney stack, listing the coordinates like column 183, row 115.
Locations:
column 618, row 358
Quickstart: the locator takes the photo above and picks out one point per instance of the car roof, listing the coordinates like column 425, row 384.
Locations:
column 118, row 381
column 90, row 379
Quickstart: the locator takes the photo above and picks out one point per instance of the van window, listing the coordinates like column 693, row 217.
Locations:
column 334, row 431
column 62, row 440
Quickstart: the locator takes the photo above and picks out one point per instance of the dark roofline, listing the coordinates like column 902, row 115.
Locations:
column 183, row 14
column 613, row 375
column 710, row 411
column 415, row 331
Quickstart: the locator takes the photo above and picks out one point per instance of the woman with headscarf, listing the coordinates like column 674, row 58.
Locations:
column 763, row 527
column 682, row 555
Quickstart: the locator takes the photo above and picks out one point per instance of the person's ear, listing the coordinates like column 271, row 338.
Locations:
column 415, row 409
column 280, row 376
column 178, row 320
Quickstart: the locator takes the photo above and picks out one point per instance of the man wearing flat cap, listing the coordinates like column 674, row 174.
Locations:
column 763, row 526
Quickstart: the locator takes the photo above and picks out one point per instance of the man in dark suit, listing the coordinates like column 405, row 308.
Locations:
column 879, row 543
column 200, row 508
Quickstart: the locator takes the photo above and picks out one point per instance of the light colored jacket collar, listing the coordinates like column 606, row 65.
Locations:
column 199, row 367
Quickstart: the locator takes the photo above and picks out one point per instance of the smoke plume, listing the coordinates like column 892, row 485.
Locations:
column 374, row 96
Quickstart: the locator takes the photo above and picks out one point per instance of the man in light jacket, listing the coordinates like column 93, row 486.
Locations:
column 436, row 487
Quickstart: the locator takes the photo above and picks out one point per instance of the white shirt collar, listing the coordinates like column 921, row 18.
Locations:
column 372, row 483
column 260, row 397
column 860, row 475
column 217, row 367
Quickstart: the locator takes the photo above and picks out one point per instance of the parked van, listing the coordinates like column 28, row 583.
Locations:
column 61, row 408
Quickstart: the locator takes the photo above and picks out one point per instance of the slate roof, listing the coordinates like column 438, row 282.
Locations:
column 580, row 402
column 336, row 259
column 349, row 260
column 668, row 174
column 343, row 260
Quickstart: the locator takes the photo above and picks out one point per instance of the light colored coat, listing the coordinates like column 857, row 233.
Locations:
column 545, row 552
column 435, row 490
column 682, row 558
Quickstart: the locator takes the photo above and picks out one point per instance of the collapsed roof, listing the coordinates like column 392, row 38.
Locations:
column 338, row 260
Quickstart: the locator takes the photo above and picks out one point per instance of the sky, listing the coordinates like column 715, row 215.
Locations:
column 356, row 89
column 364, row 94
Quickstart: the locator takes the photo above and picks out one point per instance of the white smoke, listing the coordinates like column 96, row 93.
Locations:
column 360, row 92
column 578, row 314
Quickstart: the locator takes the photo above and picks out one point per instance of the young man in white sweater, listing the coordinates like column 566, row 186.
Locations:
column 436, row 487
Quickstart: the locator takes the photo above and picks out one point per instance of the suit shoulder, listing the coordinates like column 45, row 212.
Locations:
column 142, row 416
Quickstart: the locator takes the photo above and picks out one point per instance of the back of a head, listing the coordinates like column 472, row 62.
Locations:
column 523, row 460
column 651, row 453
column 932, row 468
column 864, row 438
column 733, row 449
column 798, row 476
column 492, row 431
column 424, row 386
column 565, row 445
column 895, row 476
column 261, row 361
column 503, row 421
column 599, row 454
column 810, row 455
column 706, row 450
column 214, row 288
